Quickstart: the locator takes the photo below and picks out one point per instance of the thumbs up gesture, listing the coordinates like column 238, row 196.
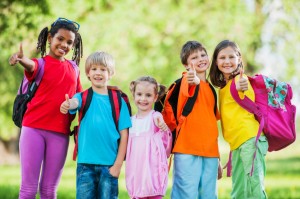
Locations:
column 16, row 57
column 160, row 123
column 242, row 83
column 65, row 106
column 192, row 75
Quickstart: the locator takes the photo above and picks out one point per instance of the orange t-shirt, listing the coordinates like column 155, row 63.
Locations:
column 199, row 132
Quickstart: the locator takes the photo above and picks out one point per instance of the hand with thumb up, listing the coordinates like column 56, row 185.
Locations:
column 68, row 104
column 242, row 83
column 160, row 123
column 65, row 106
column 191, row 75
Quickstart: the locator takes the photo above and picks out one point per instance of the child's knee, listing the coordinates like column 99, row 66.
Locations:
column 48, row 192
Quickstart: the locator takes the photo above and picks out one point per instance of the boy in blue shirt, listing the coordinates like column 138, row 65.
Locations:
column 101, row 148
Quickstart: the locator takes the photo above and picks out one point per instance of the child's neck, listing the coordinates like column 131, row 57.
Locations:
column 101, row 90
column 142, row 114
column 202, row 76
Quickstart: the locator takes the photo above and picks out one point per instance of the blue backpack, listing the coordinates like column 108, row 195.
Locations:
column 27, row 90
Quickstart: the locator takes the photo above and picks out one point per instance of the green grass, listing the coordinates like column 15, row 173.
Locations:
column 282, row 180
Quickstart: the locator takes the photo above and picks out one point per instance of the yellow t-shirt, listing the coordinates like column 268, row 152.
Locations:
column 238, row 125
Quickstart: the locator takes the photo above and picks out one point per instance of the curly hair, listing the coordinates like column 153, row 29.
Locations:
column 42, row 39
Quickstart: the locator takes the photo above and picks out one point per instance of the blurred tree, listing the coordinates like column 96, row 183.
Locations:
column 18, row 21
column 145, row 37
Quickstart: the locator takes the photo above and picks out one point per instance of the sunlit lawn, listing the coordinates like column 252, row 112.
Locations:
column 282, row 181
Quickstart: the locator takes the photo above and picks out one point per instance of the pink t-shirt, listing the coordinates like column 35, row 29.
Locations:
column 43, row 111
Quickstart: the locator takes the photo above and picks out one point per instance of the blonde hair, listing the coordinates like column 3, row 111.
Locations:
column 100, row 58
column 158, row 89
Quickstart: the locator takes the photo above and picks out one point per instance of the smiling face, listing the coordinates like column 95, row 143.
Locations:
column 228, row 61
column 199, row 59
column 61, row 43
column 144, row 96
column 99, row 76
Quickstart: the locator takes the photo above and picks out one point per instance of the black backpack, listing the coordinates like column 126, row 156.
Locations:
column 173, row 93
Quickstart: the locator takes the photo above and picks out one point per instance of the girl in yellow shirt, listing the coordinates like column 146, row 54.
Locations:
column 239, row 127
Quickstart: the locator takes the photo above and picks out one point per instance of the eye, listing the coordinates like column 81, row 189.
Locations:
column 148, row 95
column 70, row 43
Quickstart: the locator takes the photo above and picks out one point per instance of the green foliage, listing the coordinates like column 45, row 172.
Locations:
column 145, row 38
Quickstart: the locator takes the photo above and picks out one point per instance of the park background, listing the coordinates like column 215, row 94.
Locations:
column 145, row 38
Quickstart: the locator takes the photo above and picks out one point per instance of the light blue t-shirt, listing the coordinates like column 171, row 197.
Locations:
column 98, row 137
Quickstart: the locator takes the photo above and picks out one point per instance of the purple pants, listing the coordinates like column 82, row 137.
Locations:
column 42, row 155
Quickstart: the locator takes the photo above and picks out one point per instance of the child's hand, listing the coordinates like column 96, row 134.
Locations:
column 65, row 106
column 160, row 123
column 115, row 171
column 192, row 76
column 16, row 57
column 242, row 83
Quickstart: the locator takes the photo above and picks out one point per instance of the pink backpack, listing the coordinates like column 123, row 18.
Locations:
column 272, row 108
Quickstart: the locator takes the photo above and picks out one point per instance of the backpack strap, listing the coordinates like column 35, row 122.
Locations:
column 116, row 104
column 173, row 98
column 86, row 98
column 215, row 96
column 37, row 80
column 75, row 66
column 39, row 75
column 190, row 103
column 251, row 107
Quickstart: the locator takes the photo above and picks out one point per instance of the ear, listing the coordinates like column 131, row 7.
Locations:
column 49, row 38
column 186, row 66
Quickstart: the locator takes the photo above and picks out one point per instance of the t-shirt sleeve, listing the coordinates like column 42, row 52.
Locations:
column 76, row 96
column 31, row 75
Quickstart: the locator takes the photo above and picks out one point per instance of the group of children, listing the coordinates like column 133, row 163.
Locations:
column 144, row 139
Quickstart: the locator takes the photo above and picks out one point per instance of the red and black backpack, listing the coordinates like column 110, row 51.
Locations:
column 115, row 98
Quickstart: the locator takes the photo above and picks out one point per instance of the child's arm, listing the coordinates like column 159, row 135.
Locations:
column 116, row 168
column 69, row 104
column 19, row 57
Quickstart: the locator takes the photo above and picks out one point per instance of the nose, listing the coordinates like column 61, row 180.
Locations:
column 226, row 60
column 64, row 44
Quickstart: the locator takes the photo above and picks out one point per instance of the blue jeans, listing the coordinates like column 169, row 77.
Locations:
column 95, row 181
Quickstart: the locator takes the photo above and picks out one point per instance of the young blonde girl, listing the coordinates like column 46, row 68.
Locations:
column 149, row 143
column 238, row 125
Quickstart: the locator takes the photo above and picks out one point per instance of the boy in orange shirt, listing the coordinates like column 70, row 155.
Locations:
column 196, row 152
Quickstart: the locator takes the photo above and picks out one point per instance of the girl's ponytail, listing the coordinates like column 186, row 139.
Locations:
column 161, row 91
column 42, row 41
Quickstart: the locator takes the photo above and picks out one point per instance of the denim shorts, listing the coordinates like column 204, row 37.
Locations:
column 95, row 181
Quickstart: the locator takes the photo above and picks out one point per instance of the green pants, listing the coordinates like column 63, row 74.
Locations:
column 245, row 186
